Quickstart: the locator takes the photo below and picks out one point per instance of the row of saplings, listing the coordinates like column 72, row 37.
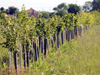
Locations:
column 44, row 44
column 29, row 37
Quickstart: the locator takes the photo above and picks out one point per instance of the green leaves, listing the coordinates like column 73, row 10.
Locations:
column 27, row 28
column 84, row 18
column 70, row 21
column 61, row 25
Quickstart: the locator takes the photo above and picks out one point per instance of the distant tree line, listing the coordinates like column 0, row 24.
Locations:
column 61, row 9
column 11, row 10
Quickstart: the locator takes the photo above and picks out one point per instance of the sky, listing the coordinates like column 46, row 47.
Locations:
column 39, row 5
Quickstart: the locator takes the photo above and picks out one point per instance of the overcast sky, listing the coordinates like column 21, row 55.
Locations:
column 42, row 5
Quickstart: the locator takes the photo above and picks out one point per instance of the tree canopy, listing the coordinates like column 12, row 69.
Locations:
column 2, row 8
column 87, row 6
column 61, row 9
column 73, row 8
column 45, row 15
column 96, row 5
column 13, row 10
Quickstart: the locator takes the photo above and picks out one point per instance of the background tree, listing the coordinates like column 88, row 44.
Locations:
column 73, row 8
column 96, row 5
column 61, row 12
column 87, row 6
column 45, row 15
column 13, row 10
column 2, row 8
column 61, row 9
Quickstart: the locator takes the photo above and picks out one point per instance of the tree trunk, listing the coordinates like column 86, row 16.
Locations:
column 58, row 40
column 62, row 37
column 72, row 34
column 45, row 47
column 75, row 31
column 86, row 27
column 15, row 60
column 39, row 43
column 37, row 47
column 10, row 58
column 52, row 41
column 42, row 47
column 20, row 54
column 27, row 52
column 69, row 36
column 30, row 55
column 24, row 49
column 32, row 51
column 54, row 38
column 35, row 55
column 66, row 35
column 80, row 31
column 47, row 43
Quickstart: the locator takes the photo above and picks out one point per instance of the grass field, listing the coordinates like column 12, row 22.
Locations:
column 79, row 57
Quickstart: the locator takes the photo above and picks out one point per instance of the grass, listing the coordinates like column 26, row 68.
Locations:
column 78, row 57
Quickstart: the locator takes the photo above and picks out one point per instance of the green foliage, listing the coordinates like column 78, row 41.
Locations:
column 53, row 24
column 42, row 27
column 27, row 28
column 9, row 29
column 22, row 28
column 85, row 18
column 69, row 21
column 96, row 17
